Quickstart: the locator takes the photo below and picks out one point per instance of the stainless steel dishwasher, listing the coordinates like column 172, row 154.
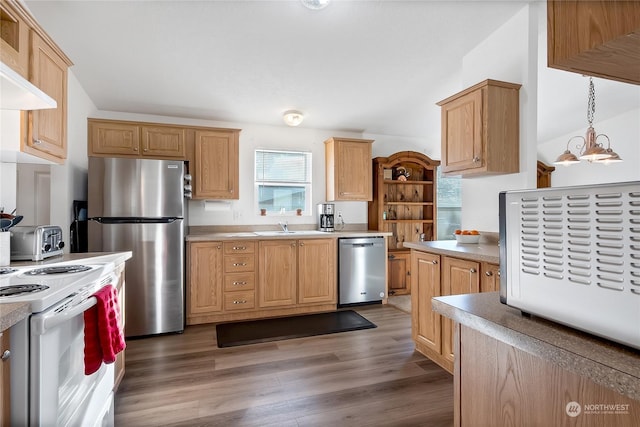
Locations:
column 361, row 270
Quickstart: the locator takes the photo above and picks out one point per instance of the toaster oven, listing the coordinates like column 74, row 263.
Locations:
column 35, row 242
column 572, row 255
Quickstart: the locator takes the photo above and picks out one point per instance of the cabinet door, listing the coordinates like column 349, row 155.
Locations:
column 216, row 165
column 205, row 281
column 163, row 141
column 119, row 139
column 425, row 284
column 14, row 41
column 459, row 277
column 277, row 277
column 47, row 129
column 490, row 281
column 462, row 144
column 348, row 169
column 5, row 379
column 399, row 268
column 316, row 271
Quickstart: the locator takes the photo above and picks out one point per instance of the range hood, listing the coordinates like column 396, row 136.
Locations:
column 17, row 93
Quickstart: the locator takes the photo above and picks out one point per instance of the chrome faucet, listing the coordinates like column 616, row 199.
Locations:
column 284, row 226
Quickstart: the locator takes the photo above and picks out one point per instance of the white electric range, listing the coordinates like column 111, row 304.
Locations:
column 48, row 384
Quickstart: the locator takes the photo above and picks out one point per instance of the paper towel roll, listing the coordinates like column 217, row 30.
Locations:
column 217, row 206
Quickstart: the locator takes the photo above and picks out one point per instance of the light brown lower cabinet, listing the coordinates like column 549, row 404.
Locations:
column 434, row 275
column 399, row 274
column 239, row 280
column 5, row 379
column 498, row 385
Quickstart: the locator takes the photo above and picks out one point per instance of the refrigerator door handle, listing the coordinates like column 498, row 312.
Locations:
column 128, row 220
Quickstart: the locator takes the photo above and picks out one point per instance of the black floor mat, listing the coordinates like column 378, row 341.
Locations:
column 282, row 328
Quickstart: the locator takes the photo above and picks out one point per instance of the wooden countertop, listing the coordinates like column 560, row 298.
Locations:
column 609, row 364
column 13, row 312
column 483, row 252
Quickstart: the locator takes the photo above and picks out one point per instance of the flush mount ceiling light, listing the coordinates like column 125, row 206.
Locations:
column 315, row 4
column 292, row 117
column 590, row 150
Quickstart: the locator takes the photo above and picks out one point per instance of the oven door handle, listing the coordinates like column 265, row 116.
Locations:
column 41, row 325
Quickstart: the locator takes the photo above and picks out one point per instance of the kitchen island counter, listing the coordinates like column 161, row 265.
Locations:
column 483, row 252
column 504, row 347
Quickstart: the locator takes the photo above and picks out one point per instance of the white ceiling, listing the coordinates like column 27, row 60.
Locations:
column 370, row 66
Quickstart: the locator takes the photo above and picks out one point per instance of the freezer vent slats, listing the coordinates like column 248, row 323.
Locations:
column 584, row 236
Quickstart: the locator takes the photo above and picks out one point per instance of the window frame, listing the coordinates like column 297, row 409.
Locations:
column 308, row 185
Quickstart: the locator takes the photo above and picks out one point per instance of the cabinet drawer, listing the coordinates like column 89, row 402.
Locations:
column 239, row 300
column 239, row 263
column 240, row 247
column 239, row 282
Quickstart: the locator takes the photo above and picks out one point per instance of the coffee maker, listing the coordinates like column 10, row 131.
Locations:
column 325, row 216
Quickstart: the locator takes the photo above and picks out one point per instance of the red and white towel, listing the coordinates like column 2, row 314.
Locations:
column 103, row 335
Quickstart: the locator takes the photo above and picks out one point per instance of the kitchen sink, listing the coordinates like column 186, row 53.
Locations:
column 287, row 233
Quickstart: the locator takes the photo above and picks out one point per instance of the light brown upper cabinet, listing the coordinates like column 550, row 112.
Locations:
column 47, row 129
column 348, row 169
column 29, row 51
column 597, row 38
column 14, row 40
column 216, row 164
column 109, row 138
column 480, row 130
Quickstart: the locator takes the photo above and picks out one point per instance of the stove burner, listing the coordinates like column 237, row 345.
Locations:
column 7, row 270
column 58, row 270
column 13, row 290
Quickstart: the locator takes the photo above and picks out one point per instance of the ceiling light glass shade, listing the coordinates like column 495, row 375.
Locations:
column 595, row 153
column 315, row 4
column 293, row 117
column 613, row 157
column 567, row 158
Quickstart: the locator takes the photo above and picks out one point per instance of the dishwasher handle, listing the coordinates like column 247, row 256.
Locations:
column 361, row 245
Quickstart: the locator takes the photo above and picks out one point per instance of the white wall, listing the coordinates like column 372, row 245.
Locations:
column 509, row 54
column 69, row 181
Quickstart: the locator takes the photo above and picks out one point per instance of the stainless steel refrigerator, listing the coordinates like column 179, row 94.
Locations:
column 138, row 205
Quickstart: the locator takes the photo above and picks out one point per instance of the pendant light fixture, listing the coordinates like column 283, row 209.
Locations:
column 590, row 150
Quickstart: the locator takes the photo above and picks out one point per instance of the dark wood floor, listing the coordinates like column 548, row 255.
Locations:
column 371, row 377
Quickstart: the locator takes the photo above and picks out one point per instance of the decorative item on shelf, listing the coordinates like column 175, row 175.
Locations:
column 387, row 174
column 402, row 173
column 299, row 212
column 590, row 149
column 263, row 212
column 293, row 117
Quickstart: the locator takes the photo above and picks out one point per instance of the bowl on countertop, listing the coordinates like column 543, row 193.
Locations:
column 467, row 238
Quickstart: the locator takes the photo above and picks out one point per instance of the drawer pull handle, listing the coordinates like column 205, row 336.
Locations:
column 37, row 142
column 244, row 301
column 5, row 355
column 472, row 270
column 488, row 274
column 239, row 283
column 434, row 262
column 239, row 248
column 239, row 264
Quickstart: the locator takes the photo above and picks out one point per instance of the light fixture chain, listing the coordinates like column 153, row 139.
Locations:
column 591, row 108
